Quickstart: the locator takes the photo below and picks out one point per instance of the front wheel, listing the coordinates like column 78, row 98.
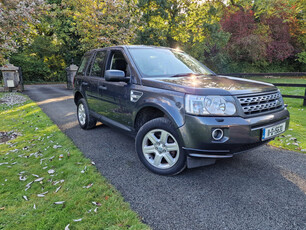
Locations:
column 159, row 149
column 86, row 121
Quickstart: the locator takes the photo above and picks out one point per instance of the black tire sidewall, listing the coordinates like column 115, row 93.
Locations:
column 165, row 124
column 87, row 124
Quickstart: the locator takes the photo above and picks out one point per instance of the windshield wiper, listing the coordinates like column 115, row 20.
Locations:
column 192, row 74
column 186, row 74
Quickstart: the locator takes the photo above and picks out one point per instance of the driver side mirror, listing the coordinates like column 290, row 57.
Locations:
column 116, row 76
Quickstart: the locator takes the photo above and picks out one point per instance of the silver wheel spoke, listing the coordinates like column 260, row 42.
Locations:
column 172, row 147
column 148, row 149
column 164, row 137
column 157, row 160
column 152, row 138
column 169, row 159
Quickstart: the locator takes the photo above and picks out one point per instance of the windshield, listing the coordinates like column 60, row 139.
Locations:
column 159, row 62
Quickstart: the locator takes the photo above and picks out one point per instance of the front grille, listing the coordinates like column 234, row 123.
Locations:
column 260, row 103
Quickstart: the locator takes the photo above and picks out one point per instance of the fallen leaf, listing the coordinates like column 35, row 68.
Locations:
column 88, row 186
column 96, row 203
column 59, row 202
column 57, row 189
column 51, row 171
column 77, row 220
column 22, row 178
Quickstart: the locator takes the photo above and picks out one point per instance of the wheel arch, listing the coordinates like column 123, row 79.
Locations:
column 150, row 111
column 77, row 96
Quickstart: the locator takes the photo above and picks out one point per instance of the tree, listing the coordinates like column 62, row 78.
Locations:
column 163, row 22
column 16, row 21
column 100, row 23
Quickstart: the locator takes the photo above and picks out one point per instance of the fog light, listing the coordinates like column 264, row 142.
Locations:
column 217, row 134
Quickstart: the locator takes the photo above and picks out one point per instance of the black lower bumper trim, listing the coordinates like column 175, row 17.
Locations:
column 217, row 154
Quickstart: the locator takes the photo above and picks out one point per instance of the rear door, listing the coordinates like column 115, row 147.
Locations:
column 81, row 81
column 96, row 73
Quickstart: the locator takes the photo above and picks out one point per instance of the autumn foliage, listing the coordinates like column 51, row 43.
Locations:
column 264, row 39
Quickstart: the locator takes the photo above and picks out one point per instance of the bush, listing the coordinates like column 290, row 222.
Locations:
column 33, row 69
column 42, row 61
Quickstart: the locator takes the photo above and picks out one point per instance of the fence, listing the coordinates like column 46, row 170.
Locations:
column 293, row 96
column 293, row 74
column 276, row 84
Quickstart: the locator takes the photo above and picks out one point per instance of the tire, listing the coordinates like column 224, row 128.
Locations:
column 159, row 148
column 86, row 121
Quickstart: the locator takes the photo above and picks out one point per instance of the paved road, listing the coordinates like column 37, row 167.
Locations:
column 262, row 189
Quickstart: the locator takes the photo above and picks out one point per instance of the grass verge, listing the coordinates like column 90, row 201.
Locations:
column 42, row 152
column 295, row 137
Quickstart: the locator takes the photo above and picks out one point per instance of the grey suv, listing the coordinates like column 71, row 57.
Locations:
column 181, row 113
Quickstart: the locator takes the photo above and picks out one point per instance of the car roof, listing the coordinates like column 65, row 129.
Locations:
column 132, row 47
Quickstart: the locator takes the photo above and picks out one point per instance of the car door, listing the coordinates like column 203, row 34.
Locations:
column 116, row 95
column 81, row 79
column 96, row 73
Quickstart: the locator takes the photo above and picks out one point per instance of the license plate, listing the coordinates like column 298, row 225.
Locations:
column 273, row 131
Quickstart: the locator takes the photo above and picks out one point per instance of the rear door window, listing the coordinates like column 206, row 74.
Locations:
column 83, row 65
column 99, row 64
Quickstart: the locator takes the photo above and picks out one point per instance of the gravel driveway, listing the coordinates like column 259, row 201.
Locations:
column 262, row 189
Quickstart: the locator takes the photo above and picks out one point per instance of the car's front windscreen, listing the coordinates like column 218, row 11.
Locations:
column 160, row 62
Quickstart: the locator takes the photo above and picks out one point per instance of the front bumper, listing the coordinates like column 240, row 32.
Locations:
column 240, row 134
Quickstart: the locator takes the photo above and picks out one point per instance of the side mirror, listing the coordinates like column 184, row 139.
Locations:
column 115, row 75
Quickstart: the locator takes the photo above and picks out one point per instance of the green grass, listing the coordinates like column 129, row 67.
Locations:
column 295, row 137
column 32, row 152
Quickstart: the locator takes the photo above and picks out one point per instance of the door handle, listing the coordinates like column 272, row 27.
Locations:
column 84, row 83
column 103, row 87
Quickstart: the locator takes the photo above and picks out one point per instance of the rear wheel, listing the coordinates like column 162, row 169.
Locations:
column 158, row 147
column 86, row 121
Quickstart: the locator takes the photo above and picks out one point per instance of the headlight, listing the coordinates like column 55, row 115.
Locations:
column 210, row 105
